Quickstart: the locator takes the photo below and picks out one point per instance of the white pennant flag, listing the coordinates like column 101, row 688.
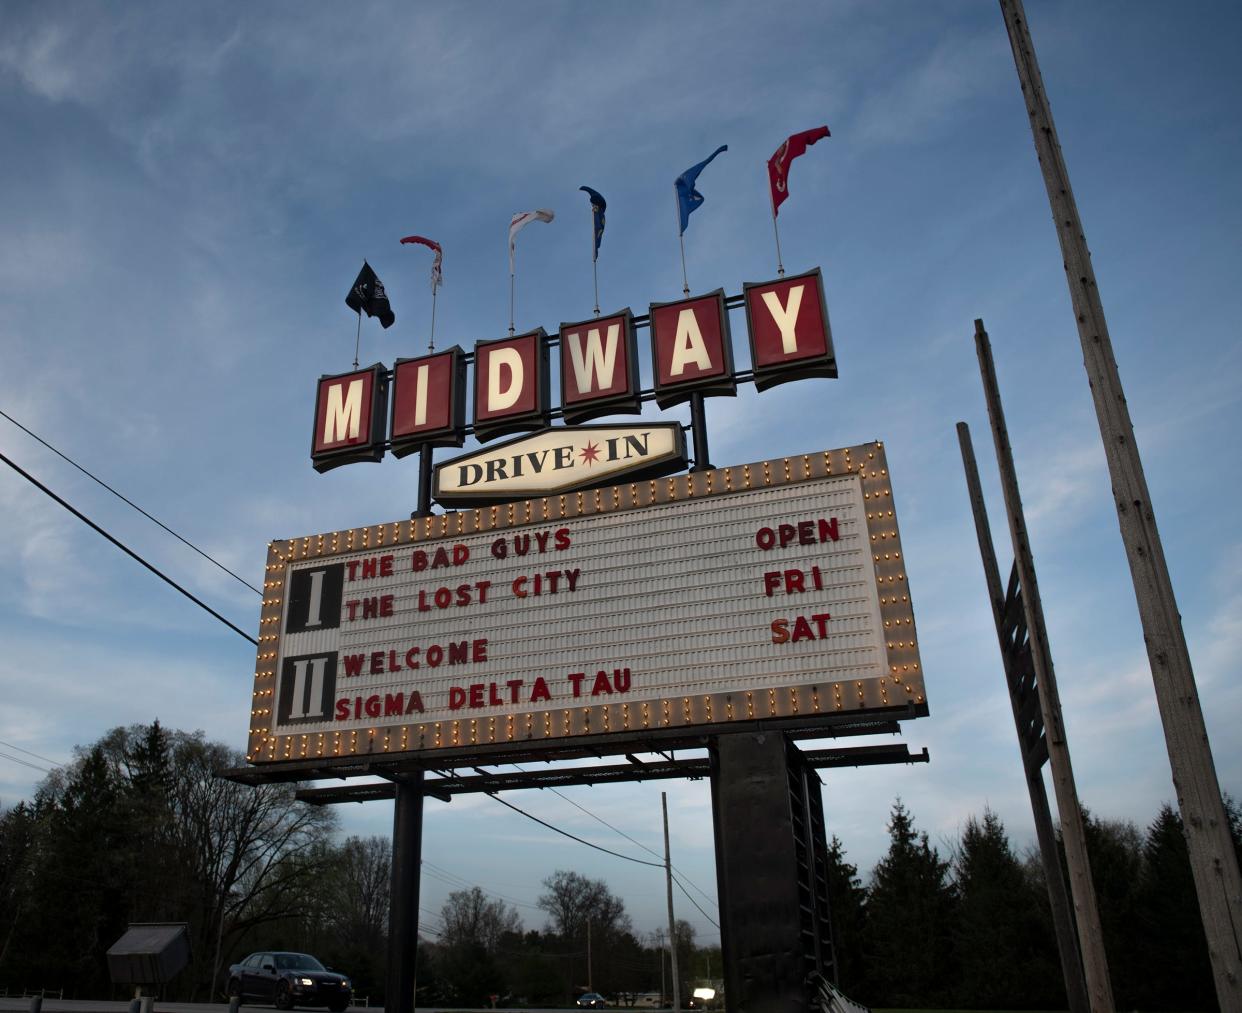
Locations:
column 520, row 221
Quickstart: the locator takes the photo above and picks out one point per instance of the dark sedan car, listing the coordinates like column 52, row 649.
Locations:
column 288, row 980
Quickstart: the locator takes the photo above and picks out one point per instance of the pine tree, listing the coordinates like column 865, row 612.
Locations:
column 910, row 909
column 847, row 904
column 1005, row 954
column 1176, row 969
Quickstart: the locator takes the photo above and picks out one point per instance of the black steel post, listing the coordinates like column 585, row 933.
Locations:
column 757, row 876
column 407, row 850
column 698, row 423
column 425, row 453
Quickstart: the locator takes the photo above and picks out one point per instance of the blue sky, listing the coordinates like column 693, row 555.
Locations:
column 188, row 191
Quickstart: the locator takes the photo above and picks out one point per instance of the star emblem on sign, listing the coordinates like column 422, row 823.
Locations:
column 589, row 453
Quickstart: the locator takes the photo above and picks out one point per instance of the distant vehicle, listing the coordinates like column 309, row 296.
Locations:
column 591, row 1000
column 288, row 980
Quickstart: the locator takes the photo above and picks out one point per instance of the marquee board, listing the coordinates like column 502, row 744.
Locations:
column 706, row 601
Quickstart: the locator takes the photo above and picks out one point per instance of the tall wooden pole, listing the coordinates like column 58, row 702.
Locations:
column 1058, row 895
column 1212, row 858
column 1082, row 889
column 672, row 925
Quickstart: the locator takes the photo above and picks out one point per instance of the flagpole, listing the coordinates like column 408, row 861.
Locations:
column 681, row 239
column 594, row 261
column 511, row 273
column 357, row 339
column 780, row 267
column 431, row 345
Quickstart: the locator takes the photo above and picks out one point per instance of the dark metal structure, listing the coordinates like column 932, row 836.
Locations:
column 149, row 953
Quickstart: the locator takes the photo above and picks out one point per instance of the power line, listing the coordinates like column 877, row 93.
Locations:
column 450, row 878
column 694, row 902
column 652, row 851
column 126, row 549
column 10, row 745
column 24, row 763
column 566, row 833
column 130, row 502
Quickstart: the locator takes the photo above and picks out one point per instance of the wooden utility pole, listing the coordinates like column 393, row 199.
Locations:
column 1212, row 858
column 1082, row 889
column 1032, row 741
column 672, row 925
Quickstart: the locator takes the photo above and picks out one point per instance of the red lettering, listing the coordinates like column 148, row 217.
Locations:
column 771, row 581
column 493, row 698
column 820, row 619
column 457, row 653
column 562, row 539
column 416, row 702
column 377, row 662
column 602, row 685
column 342, row 709
column 385, row 566
column 368, row 568
column 352, row 566
column 435, row 655
column 780, row 631
column 373, row 706
column 765, row 538
column 461, row 553
column 479, row 650
column 410, row 655
column 457, row 697
column 828, row 530
column 352, row 606
column 353, row 664
column 370, row 608
column 393, row 664
column 386, row 605
column 418, row 561
column 394, row 704
column 514, row 685
column 476, row 695
column 540, row 690
column 444, row 597
column 576, row 679
column 621, row 680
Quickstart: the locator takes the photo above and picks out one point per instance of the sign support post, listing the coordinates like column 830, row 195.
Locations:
column 1095, row 963
column 407, row 851
column 1021, row 681
column 1212, row 858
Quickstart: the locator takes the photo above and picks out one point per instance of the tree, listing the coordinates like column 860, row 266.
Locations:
column 1177, row 971
column 1115, row 850
column 847, row 907
column 474, row 925
column 1003, row 948
column 910, row 908
column 573, row 902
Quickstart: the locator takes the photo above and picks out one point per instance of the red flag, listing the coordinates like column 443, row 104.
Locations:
column 437, row 278
column 778, row 164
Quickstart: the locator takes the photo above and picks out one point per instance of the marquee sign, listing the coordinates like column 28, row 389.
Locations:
column 712, row 599
column 561, row 459
column 598, row 366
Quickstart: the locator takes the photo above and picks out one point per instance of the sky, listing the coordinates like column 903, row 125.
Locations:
column 188, row 191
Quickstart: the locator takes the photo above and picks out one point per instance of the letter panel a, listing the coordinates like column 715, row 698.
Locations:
column 691, row 349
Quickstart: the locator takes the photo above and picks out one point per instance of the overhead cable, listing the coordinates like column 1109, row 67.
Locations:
column 129, row 502
column 126, row 549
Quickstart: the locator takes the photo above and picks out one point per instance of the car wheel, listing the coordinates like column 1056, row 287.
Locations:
column 234, row 989
column 340, row 1006
column 283, row 999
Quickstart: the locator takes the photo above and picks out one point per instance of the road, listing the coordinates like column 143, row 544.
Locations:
column 52, row 1005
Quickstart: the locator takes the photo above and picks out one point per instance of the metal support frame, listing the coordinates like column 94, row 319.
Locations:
column 407, row 851
column 770, row 854
column 1020, row 677
column 450, row 783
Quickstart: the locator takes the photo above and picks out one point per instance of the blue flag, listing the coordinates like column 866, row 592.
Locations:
column 598, row 206
column 688, row 198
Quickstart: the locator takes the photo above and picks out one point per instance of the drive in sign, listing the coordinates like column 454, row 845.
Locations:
column 718, row 598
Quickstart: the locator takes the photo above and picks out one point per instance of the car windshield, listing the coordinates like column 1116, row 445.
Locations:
column 297, row 962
